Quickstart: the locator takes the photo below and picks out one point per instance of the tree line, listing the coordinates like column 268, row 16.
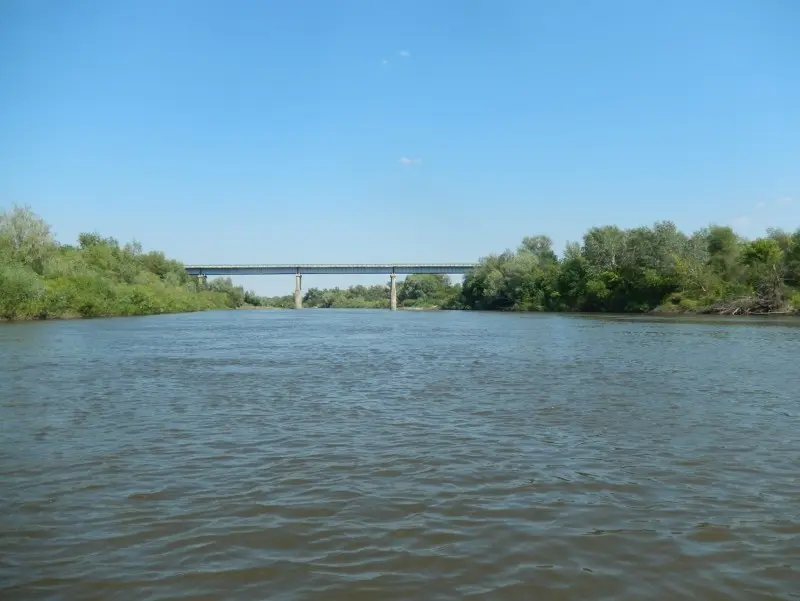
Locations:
column 97, row 277
column 415, row 292
column 643, row 269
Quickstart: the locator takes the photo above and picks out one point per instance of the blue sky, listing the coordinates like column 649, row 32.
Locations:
column 413, row 130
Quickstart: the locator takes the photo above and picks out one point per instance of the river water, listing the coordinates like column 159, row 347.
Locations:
column 370, row 455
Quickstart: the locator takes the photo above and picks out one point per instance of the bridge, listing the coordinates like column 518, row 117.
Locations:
column 390, row 269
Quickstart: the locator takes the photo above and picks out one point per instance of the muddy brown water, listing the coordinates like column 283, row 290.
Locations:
column 359, row 455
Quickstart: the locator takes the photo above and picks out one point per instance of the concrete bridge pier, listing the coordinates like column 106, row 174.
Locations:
column 202, row 280
column 393, row 291
column 298, row 295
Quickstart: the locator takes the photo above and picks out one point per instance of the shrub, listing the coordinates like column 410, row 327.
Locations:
column 20, row 289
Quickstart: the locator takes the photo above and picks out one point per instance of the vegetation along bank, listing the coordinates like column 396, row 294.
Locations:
column 637, row 270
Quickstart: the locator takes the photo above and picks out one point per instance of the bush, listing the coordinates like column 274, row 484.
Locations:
column 98, row 277
column 795, row 301
column 20, row 291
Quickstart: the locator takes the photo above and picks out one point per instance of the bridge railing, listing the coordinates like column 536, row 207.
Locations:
column 304, row 269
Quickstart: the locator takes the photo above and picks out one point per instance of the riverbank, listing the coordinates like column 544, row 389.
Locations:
column 52, row 304
column 658, row 312
column 75, row 316
column 42, row 279
column 634, row 271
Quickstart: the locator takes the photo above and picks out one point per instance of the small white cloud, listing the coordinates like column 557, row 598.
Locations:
column 761, row 205
column 784, row 202
column 384, row 62
column 409, row 161
column 404, row 53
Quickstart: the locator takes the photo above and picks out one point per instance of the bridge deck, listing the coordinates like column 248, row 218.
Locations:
column 372, row 268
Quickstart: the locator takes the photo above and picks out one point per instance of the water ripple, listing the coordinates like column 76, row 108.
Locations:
column 370, row 455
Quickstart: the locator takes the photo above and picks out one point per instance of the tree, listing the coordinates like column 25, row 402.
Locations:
column 19, row 289
column 225, row 286
column 96, row 277
column 539, row 246
column 25, row 238
column 789, row 245
column 572, row 278
column 485, row 286
column 252, row 299
column 723, row 251
column 431, row 288
column 605, row 247
column 766, row 270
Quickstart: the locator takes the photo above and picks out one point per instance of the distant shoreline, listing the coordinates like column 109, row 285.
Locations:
column 658, row 271
column 654, row 313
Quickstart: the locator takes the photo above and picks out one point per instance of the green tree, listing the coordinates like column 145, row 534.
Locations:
column 639, row 269
column 572, row 280
column 765, row 273
column 25, row 238
column 424, row 289
column 20, row 288
column 235, row 294
column 97, row 277
column 485, row 286
column 541, row 247
column 724, row 247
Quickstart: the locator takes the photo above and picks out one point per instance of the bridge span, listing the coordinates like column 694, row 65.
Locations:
column 390, row 269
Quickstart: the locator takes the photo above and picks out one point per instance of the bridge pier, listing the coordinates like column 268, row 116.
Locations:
column 393, row 292
column 298, row 295
column 202, row 280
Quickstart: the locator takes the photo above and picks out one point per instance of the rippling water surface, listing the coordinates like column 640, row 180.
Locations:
column 354, row 455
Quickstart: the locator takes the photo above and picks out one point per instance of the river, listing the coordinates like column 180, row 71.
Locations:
column 370, row 455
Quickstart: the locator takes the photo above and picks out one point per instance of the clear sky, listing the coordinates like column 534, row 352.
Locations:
column 234, row 131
